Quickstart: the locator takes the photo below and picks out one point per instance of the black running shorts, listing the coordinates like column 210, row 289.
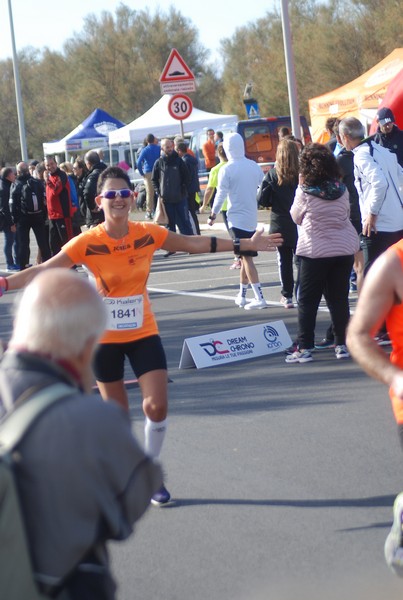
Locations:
column 242, row 234
column 144, row 355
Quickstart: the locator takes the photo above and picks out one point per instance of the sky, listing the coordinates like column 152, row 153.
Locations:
column 57, row 21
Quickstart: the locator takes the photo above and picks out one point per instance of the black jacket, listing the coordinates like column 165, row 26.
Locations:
column 171, row 178
column 193, row 165
column 18, row 207
column 5, row 186
column 393, row 141
column 279, row 198
column 90, row 192
column 345, row 161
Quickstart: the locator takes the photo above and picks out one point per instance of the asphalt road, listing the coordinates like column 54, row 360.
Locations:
column 282, row 476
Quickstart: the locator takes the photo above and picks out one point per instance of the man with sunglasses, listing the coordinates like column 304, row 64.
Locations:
column 119, row 253
column 388, row 133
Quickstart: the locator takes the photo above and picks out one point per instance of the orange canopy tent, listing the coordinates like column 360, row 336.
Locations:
column 354, row 98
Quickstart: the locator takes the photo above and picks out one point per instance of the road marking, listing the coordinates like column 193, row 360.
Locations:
column 215, row 297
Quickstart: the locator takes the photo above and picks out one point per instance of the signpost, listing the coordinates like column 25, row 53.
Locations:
column 176, row 78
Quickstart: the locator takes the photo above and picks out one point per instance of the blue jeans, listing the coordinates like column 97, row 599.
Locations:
column 10, row 247
column 178, row 215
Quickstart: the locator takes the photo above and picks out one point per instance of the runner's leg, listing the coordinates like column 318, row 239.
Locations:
column 114, row 390
column 154, row 389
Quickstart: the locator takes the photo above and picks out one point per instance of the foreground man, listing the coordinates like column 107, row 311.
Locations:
column 81, row 477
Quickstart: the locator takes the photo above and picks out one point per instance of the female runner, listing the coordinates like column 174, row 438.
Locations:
column 119, row 253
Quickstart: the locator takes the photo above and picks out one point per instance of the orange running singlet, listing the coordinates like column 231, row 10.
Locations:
column 121, row 269
column 394, row 324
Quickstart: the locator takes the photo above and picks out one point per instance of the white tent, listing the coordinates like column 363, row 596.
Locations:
column 159, row 122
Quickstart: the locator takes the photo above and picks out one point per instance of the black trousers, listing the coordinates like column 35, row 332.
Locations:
column 58, row 235
column 36, row 222
column 193, row 207
column 375, row 244
column 285, row 260
column 329, row 277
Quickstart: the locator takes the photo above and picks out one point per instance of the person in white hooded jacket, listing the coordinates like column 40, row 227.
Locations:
column 239, row 180
column 379, row 182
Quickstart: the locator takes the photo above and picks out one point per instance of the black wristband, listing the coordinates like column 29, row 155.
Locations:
column 237, row 247
column 213, row 244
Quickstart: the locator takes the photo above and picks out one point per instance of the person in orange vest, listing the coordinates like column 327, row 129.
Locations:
column 209, row 151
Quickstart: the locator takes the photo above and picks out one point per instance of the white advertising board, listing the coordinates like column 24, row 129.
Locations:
column 226, row 347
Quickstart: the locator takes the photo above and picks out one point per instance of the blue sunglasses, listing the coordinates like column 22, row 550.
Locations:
column 111, row 194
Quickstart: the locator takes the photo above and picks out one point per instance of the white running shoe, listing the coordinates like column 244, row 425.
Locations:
column 394, row 541
column 240, row 300
column 299, row 356
column 256, row 304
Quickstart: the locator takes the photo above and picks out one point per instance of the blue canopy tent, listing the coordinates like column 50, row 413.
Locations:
column 91, row 133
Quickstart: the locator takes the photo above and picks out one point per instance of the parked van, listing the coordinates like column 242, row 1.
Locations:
column 121, row 155
column 260, row 136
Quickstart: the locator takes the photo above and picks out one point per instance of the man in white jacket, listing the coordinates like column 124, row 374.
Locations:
column 379, row 181
column 239, row 179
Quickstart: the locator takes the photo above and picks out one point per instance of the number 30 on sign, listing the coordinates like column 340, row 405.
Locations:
column 180, row 107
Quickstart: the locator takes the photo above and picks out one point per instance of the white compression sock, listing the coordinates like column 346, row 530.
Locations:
column 154, row 434
column 257, row 290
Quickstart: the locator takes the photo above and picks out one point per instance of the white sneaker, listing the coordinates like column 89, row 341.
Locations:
column 240, row 300
column 287, row 302
column 393, row 544
column 256, row 304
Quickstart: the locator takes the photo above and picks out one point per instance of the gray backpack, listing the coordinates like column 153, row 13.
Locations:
column 16, row 574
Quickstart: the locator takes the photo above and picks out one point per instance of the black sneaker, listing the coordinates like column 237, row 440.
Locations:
column 291, row 349
column 161, row 497
column 295, row 348
column 324, row 344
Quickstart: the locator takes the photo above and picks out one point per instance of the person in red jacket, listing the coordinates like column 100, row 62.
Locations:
column 59, row 205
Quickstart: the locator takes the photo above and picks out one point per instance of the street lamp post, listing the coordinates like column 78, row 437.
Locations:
column 290, row 68
column 20, row 108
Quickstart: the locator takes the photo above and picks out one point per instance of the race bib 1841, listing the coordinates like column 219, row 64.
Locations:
column 124, row 313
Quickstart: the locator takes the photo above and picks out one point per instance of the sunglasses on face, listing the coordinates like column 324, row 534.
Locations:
column 111, row 194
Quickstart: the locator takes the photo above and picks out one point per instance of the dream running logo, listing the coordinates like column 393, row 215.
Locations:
column 271, row 335
column 211, row 348
column 230, row 348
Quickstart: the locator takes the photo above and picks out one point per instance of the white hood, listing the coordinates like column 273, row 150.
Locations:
column 234, row 146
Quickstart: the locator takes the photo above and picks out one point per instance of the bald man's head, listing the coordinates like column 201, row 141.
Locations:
column 57, row 314
column 22, row 168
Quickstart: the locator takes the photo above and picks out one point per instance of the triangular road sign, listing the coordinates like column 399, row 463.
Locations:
column 176, row 69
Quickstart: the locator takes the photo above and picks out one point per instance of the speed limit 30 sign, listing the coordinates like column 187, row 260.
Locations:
column 180, row 107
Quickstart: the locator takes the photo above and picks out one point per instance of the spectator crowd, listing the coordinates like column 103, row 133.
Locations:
column 335, row 209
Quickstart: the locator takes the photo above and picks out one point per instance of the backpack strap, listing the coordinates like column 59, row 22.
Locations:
column 17, row 423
